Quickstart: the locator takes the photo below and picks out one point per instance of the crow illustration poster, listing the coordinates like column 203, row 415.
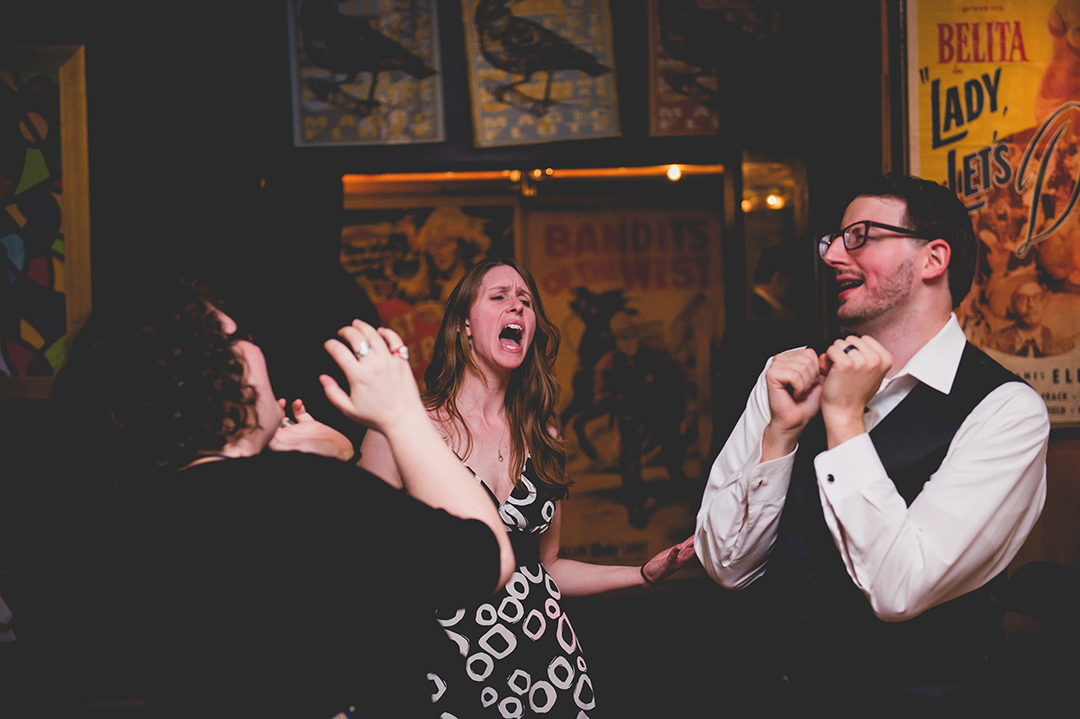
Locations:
column 638, row 297
column 994, row 113
column 684, row 57
column 365, row 72
column 540, row 70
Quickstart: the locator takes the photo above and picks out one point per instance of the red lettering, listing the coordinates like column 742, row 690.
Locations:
column 661, row 265
column 556, row 240
column 636, row 272
column 614, row 237
column 962, row 42
column 586, row 238
column 641, row 233
column 703, row 265
column 1001, row 27
column 1017, row 43
column 975, row 44
column 944, row 42
column 699, row 235
column 683, row 268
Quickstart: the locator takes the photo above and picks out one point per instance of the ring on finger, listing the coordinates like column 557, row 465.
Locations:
column 850, row 348
column 362, row 349
column 402, row 352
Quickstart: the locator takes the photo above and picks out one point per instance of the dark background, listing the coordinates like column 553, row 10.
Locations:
column 192, row 169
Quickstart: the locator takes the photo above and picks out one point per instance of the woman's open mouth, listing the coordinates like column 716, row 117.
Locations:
column 511, row 334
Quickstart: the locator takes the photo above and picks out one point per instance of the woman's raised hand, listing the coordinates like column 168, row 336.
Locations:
column 382, row 390
column 309, row 435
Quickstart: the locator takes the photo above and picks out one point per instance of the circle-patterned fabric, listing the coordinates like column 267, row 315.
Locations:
column 520, row 651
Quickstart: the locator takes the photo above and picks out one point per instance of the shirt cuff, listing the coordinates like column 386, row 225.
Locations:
column 767, row 482
column 849, row 468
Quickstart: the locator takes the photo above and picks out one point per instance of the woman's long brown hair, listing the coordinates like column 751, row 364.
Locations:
column 532, row 391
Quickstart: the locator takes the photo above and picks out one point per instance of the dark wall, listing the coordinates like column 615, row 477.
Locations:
column 192, row 170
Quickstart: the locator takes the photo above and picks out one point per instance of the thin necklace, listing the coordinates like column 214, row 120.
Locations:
column 498, row 446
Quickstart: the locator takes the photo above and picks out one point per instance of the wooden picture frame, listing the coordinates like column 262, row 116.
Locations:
column 68, row 64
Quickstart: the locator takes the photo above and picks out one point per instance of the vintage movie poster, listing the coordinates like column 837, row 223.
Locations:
column 540, row 70
column 994, row 112
column 638, row 298
column 684, row 91
column 409, row 259
column 365, row 72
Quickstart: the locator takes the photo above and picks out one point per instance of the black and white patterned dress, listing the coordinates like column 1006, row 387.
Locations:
column 522, row 657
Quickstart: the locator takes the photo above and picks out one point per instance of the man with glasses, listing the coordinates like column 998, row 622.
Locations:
column 879, row 490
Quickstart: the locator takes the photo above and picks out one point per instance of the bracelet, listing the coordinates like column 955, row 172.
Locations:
column 647, row 580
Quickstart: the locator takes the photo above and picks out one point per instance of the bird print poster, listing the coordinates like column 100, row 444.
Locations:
column 365, row 72
column 540, row 71
column 684, row 59
column 994, row 106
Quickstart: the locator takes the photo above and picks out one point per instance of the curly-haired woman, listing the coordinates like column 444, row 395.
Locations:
column 258, row 557
column 491, row 392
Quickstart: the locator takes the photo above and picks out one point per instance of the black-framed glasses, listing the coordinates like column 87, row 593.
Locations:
column 856, row 234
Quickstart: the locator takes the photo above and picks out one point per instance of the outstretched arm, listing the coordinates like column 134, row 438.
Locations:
column 581, row 579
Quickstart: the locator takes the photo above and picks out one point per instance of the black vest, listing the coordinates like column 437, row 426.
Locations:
column 833, row 631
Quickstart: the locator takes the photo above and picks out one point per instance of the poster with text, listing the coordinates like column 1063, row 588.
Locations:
column 540, row 70
column 638, row 298
column 365, row 72
column 994, row 113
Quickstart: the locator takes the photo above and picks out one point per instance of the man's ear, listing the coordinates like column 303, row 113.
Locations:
column 938, row 254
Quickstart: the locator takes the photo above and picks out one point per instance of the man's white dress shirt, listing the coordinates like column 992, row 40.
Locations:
column 963, row 528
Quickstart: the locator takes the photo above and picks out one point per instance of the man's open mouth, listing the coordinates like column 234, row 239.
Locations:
column 847, row 284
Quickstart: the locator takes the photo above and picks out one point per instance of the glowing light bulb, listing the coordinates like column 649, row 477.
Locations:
column 774, row 201
column 674, row 173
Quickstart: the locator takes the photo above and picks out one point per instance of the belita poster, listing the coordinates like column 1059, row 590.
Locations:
column 994, row 113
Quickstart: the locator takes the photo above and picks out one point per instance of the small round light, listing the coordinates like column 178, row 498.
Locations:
column 774, row 201
column 747, row 205
column 674, row 173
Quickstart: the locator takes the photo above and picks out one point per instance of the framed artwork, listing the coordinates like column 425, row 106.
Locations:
column 365, row 72
column 540, row 71
column 44, row 225
column 994, row 113
column 684, row 55
column 409, row 253
column 638, row 296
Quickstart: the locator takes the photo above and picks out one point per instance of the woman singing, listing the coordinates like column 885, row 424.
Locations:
column 491, row 392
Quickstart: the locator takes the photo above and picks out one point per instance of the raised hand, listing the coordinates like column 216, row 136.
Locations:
column 793, row 381
column 309, row 435
column 853, row 369
column 382, row 390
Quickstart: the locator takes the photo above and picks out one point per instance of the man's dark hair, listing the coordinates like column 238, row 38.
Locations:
column 934, row 211
column 153, row 383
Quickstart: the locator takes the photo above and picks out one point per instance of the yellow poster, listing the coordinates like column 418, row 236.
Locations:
column 994, row 113
column 637, row 295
